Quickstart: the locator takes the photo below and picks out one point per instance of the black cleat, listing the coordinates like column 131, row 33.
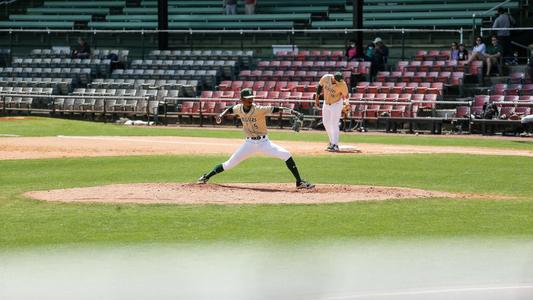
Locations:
column 202, row 180
column 333, row 148
column 304, row 185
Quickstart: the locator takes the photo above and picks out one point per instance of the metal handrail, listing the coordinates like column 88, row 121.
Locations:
column 193, row 31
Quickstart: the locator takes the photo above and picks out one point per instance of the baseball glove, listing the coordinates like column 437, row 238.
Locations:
column 346, row 110
column 297, row 122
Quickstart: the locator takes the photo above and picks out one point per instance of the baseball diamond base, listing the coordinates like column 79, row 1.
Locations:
column 236, row 193
column 349, row 149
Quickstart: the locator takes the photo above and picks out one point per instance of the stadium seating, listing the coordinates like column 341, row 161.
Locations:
column 269, row 14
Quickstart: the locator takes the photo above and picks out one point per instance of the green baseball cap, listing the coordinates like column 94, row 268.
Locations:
column 338, row 76
column 247, row 94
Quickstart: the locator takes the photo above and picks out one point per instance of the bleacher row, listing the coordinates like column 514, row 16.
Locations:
column 509, row 107
column 244, row 57
column 355, row 67
column 400, row 87
column 512, row 89
column 288, row 75
column 371, row 106
column 81, row 75
column 329, row 55
column 205, row 78
column 438, row 66
column 58, row 85
column 449, row 78
column 116, row 100
column 186, row 88
column 26, row 90
column 226, row 68
column 206, row 14
column 20, row 102
column 97, row 66
column 123, row 54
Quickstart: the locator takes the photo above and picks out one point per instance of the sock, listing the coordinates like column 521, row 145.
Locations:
column 294, row 170
column 217, row 169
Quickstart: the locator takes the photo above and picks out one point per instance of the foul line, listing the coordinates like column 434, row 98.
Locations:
column 10, row 135
column 141, row 140
column 427, row 292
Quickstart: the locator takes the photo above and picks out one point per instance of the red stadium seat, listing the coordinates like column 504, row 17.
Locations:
column 399, row 111
column 462, row 112
column 420, row 54
column 499, row 89
column 479, row 100
column 259, row 85
column 516, row 77
column 273, row 95
column 261, row 94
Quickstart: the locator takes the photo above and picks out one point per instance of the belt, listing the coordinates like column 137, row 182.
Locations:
column 257, row 137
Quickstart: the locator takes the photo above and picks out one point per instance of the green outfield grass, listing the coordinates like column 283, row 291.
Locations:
column 52, row 127
column 30, row 223
column 26, row 223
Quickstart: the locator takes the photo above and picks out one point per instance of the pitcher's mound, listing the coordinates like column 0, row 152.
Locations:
column 251, row 193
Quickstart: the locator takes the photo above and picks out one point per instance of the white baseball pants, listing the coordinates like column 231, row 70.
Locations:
column 331, row 115
column 251, row 147
column 527, row 119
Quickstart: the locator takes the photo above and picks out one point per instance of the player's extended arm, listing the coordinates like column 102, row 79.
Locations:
column 297, row 121
column 317, row 95
column 299, row 115
column 229, row 110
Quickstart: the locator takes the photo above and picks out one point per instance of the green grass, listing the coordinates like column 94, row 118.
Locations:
column 52, row 127
column 26, row 222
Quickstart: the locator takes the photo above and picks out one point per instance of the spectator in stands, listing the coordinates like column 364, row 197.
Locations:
column 115, row 62
column 379, row 57
column 369, row 52
column 478, row 51
column 503, row 20
column 83, row 50
column 382, row 48
column 463, row 53
column 351, row 51
column 493, row 54
column 454, row 52
column 230, row 7
column 249, row 7
column 490, row 111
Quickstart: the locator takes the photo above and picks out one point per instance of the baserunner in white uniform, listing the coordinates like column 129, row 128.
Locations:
column 254, row 125
column 336, row 96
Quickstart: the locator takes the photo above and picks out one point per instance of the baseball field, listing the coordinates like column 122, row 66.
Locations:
column 488, row 181
column 503, row 207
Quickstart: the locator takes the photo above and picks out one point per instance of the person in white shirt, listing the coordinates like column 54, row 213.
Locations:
column 478, row 52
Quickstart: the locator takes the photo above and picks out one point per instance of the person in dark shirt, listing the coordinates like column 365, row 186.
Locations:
column 463, row 53
column 493, row 54
column 379, row 57
column 83, row 50
column 230, row 7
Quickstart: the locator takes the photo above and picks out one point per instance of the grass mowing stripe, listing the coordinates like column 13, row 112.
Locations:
column 53, row 127
column 445, row 172
column 30, row 224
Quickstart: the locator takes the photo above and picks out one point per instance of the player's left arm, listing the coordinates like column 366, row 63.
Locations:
column 276, row 109
column 345, row 95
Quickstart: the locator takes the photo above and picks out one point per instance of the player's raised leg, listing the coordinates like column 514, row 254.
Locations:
column 244, row 151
